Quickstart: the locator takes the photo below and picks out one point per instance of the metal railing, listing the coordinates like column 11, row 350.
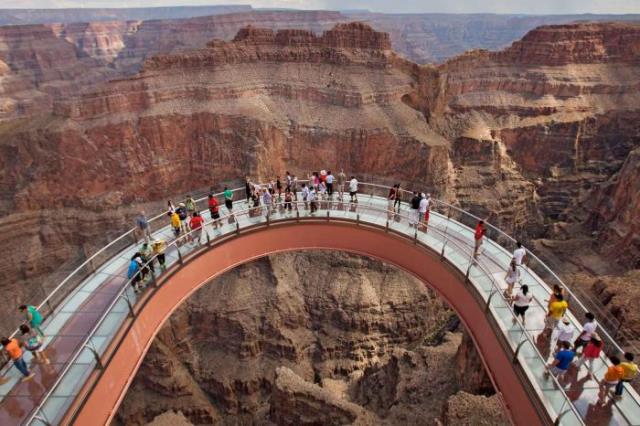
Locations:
column 70, row 285
column 363, row 214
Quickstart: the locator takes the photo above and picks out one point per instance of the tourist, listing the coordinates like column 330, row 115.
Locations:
column 512, row 277
column 289, row 180
column 214, row 210
column 184, row 217
column 12, row 346
column 33, row 317
column 305, row 196
column 423, row 208
column 279, row 188
column 313, row 205
column 228, row 199
column 629, row 372
column 341, row 178
column 32, row 341
column 248, row 189
column 391, row 198
column 267, row 200
column 287, row 199
column 611, row 378
column 591, row 352
column 329, row 181
column 557, row 292
column 190, row 204
column 588, row 328
column 562, row 360
column 176, row 224
column 158, row 246
column 414, row 216
column 134, row 272
column 146, row 253
column 143, row 225
column 426, row 216
column 557, row 309
column 478, row 236
column 322, row 190
column 562, row 333
column 196, row 227
column 519, row 254
column 397, row 203
column 255, row 207
column 353, row 189
column 521, row 302
column 294, row 188
column 170, row 207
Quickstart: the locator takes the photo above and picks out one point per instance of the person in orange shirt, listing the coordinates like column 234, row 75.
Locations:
column 611, row 378
column 12, row 346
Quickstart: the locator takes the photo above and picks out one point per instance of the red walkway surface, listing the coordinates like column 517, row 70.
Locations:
column 103, row 401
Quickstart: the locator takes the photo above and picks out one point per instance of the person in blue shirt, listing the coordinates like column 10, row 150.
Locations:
column 562, row 360
column 134, row 272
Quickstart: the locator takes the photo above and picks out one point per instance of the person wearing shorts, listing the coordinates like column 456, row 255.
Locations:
column 521, row 302
column 287, row 200
column 353, row 189
column 613, row 375
column 158, row 247
column 557, row 310
column 214, row 209
column 588, row 328
column 175, row 224
column 562, row 360
column 14, row 349
column 228, row 198
column 196, row 225
column 32, row 341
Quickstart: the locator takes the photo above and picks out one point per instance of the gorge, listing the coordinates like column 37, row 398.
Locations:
column 541, row 138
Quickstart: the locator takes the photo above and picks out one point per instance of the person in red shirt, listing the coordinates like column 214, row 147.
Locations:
column 214, row 208
column 196, row 226
column 479, row 235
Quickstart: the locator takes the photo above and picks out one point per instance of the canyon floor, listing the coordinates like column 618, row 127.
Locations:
column 312, row 338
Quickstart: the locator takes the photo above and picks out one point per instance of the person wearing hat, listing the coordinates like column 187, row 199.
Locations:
column 423, row 207
column 591, row 352
column 158, row 247
column 184, row 217
column 563, row 333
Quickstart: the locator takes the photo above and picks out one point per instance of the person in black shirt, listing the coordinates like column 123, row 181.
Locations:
column 415, row 213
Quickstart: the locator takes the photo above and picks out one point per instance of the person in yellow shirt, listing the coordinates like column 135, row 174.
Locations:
column 557, row 309
column 175, row 224
column 611, row 378
column 158, row 247
column 629, row 372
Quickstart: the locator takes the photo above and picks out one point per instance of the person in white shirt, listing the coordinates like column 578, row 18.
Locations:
column 588, row 328
column 519, row 254
column 353, row 189
column 521, row 303
column 329, row 181
column 562, row 333
column 312, row 201
column 266, row 200
column 305, row 195
column 422, row 208
column 512, row 277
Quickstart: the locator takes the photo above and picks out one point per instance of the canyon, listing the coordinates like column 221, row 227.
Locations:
column 541, row 137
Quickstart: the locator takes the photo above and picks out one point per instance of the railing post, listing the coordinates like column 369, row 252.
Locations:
column 486, row 308
column 386, row 228
column 208, row 238
column 444, row 245
column 99, row 364
column 517, row 351
column 43, row 420
column 466, row 277
column 237, row 226
column 132, row 313
column 179, row 254
column 297, row 215
column 268, row 216
column 153, row 275
column 327, row 215
column 415, row 236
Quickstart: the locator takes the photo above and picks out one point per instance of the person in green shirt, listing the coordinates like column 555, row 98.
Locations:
column 228, row 198
column 190, row 204
column 34, row 317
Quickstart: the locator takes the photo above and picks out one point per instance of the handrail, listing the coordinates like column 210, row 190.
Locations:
column 188, row 235
column 530, row 255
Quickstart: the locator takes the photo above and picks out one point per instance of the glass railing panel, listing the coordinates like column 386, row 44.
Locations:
column 460, row 260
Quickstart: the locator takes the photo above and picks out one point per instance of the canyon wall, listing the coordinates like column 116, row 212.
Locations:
column 307, row 338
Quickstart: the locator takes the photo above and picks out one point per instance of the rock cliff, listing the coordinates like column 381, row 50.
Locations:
column 307, row 338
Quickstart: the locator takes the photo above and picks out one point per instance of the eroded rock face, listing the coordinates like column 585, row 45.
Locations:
column 302, row 338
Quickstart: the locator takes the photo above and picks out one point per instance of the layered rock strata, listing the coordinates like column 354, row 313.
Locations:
column 305, row 338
